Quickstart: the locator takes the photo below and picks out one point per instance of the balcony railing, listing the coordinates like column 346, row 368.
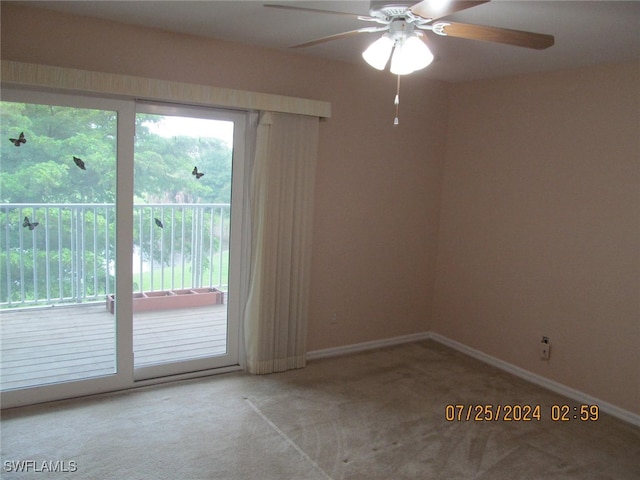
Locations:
column 69, row 257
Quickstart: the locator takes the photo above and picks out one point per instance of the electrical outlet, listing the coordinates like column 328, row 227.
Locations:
column 545, row 348
column 334, row 319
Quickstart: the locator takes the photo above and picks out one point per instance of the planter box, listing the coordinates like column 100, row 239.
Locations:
column 167, row 299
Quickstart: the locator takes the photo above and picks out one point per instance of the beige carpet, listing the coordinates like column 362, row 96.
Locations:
column 373, row 415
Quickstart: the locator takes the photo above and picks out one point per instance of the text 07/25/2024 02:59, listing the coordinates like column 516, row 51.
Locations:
column 490, row 412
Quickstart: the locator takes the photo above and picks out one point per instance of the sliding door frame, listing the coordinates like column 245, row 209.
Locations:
column 233, row 297
column 124, row 377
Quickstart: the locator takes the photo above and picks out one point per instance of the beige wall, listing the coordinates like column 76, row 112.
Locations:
column 540, row 199
column 540, row 226
column 378, row 187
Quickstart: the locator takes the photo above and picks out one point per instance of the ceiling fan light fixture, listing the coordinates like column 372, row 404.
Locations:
column 418, row 51
column 410, row 54
column 400, row 62
column 378, row 53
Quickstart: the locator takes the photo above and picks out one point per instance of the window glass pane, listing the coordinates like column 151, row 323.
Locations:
column 182, row 188
column 57, row 227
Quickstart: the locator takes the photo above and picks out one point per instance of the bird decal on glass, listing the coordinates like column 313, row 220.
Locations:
column 19, row 141
column 195, row 173
column 158, row 222
column 79, row 163
column 29, row 224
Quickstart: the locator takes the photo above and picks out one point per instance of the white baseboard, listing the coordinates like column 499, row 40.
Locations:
column 361, row 347
column 552, row 385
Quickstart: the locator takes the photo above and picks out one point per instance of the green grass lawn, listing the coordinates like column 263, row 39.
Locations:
column 178, row 272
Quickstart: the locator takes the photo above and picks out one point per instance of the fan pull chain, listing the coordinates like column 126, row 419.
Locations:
column 396, row 102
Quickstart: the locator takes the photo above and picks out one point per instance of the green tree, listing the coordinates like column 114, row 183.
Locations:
column 163, row 167
column 42, row 171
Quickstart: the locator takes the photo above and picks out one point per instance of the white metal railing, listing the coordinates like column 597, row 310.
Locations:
column 70, row 255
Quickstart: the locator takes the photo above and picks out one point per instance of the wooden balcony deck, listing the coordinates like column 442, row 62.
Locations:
column 64, row 343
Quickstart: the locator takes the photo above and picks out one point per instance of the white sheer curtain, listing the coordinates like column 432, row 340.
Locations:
column 282, row 184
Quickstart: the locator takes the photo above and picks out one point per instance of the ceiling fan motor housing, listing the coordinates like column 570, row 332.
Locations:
column 390, row 13
column 395, row 9
column 399, row 6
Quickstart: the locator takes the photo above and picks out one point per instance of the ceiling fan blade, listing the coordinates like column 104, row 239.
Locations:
column 310, row 10
column 337, row 36
column 538, row 41
column 430, row 9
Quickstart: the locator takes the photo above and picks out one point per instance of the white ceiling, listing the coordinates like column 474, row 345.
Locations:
column 586, row 32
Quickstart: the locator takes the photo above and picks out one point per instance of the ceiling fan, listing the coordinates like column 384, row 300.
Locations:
column 403, row 22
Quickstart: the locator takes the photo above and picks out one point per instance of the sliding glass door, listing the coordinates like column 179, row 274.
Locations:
column 58, row 240
column 118, row 226
column 186, row 168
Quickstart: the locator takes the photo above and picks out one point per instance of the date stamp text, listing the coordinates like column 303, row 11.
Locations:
column 490, row 412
